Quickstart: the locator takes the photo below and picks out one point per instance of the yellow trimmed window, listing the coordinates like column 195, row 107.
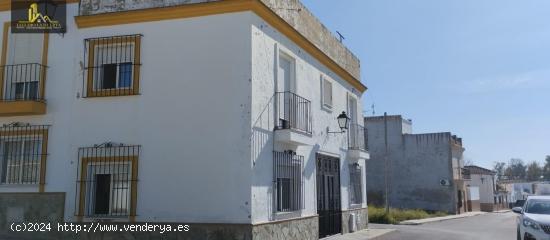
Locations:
column 112, row 66
column 23, row 152
column 107, row 181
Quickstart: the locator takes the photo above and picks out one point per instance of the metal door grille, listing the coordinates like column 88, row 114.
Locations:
column 328, row 195
column 107, row 180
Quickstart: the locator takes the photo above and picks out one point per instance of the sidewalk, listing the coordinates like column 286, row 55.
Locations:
column 362, row 235
column 438, row 219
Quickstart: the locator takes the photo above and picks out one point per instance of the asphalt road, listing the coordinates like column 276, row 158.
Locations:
column 489, row 226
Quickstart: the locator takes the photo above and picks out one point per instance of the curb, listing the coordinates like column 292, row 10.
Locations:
column 438, row 219
column 380, row 233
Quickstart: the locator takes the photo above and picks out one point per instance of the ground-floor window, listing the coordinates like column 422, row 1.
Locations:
column 288, row 168
column 356, row 186
column 107, row 181
column 22, row 151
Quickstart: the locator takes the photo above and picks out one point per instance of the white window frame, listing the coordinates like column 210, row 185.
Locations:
column 98, row 78
column 283, row 53
column 90, row 188
column 324, row 104
column 23, row 141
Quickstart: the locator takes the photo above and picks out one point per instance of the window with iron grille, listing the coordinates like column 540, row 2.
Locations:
column 355, row 174
column 112, row 66
column 107, row 181
column 287, row 174
column 23, row 153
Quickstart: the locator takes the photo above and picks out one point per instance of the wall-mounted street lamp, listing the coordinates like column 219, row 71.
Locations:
column 343, row 120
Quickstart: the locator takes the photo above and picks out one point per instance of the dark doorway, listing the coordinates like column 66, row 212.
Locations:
column 328, row 195
column 102, row 193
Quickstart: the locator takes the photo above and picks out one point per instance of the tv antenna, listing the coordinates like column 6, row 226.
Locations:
column 342, row 38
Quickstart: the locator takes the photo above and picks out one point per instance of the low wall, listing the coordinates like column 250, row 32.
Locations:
column 295, row 229
column 33, row 207
column 49, row 208
column 473, row 206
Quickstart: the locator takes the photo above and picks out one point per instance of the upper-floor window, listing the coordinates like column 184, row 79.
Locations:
column 326, row 93
column 23, row 153
column 113, row 65
column 22, row 67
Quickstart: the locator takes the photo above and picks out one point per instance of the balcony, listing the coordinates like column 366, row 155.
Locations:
column 293, row 119
column 465, row 174
column 22, row 89
column 358, row 142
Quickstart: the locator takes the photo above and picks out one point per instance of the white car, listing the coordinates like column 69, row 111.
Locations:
column 534, row 218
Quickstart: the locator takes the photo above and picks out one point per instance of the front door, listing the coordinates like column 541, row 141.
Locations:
column 328, row 195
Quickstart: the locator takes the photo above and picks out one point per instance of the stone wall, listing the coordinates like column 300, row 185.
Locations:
column 362, row 219
column 299, row 229
column 31, row 207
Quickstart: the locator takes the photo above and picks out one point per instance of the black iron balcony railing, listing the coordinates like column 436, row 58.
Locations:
column 22, row 82
column 358, row 139
column 293, row 112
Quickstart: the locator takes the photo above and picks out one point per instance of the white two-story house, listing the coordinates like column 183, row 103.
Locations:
column 241, row 118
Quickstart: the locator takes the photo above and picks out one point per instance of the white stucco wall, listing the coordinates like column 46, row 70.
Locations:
column 206, row 145
column 191, row 119
column 267, row 42
column 486, row 187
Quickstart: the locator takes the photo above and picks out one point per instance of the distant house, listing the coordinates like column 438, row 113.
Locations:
column 482, row 180
column 517, row 190
column 424, row 171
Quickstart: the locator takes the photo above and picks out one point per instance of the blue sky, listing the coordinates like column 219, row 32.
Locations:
column 480, row 69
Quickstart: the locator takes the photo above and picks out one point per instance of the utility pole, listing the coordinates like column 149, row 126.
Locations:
column 387, row 202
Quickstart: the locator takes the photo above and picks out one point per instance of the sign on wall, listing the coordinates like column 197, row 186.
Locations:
column 39, row 16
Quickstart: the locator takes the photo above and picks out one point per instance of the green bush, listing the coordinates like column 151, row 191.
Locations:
column 378, row 215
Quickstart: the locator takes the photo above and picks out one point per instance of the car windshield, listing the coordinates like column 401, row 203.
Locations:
column 537, row 206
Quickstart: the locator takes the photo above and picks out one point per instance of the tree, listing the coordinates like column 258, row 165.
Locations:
column 534, row 171
column 546, row 169
column 516, row 169
column 499, row 167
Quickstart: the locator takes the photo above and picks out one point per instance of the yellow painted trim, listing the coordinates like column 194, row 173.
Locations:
column 134, row 90
column 221, row 7
column 4, row 55
column 17, row 108
column 21, row 108
column 42, row 181
column 83, row 175
column 44, row 136
column 5, row 5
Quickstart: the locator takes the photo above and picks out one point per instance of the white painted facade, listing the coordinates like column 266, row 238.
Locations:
column 206, row 146
column 485, row 184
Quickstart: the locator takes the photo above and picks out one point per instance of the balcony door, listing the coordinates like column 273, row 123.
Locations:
column 354, row 135
column 285, row 89
column 22, row 68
